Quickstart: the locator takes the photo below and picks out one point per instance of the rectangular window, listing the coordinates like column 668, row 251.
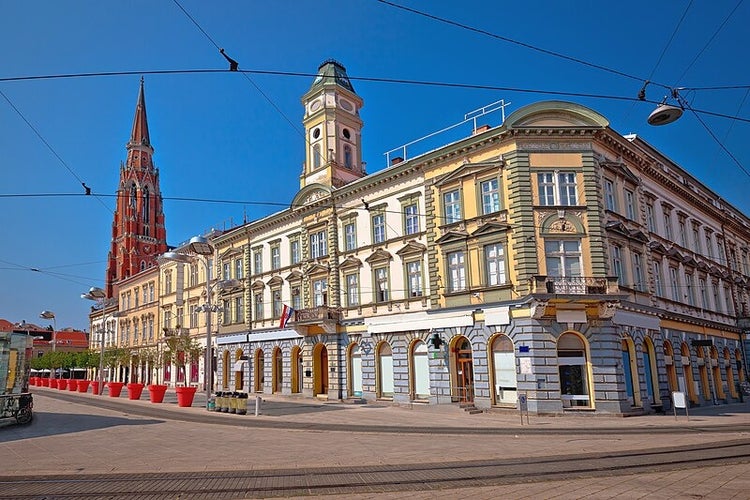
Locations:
column 689, row 291
column 180, row 316
column 668, row 226
column 609, row 196
column 168, row 319
column 275, row 257
column 296, row 298
column 697, row 241
column 378, row 228
column 557, row 188
column 294, row 251
column 728, row 299
column 715, row 292
column 238, row 271
column 629, row 204
column 277, row 305
column 193, row 275
column 168, row 282
column 650, row 221
column 193, row 316
column 258, row 261
column 456, row 272
column 452, row 206
column 226, row 271
column 414, row 274
column 136, row 296
column 258, row 301
column 659, row 289
column 210, row 269
column 411, row 219
column 350, row 236
column 352, row 290
column 563, row 258
column 674, row 283
column 683, row 233
column 320, row 292
column 709, row 246
column 151, row 328
column 638, row 272
column 703, row 292
column 318, row 246
column 617, row 264
column 239, row 310
column 494, row 264
column 226, row 312
column 381, row 284
column 490, row 196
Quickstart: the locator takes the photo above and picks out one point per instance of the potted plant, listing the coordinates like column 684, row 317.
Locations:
column 135, row 389
column 113, row 358
column 183, row 348
column 87, row 359
column 155, row 361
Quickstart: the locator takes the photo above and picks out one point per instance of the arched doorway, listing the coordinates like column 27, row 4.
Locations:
column 420, row 371
column 574, row 371
column 239, row 377
column 716, row 371
column 671, row 371
column 355, row 369
column 260, row 370
column 277, row 381
column 730, row 374
column 225, row 370
column 687, row 368
column 384, row 374
column 740, row 368
column 650, row 373
column 296, row 368
column 504, row 370
column 700, row 354
column 320, row 371
column 463, row 363
column 630, row 371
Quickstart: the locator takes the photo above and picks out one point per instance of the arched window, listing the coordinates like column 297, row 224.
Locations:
column 239, row 379
column 132, row 196
column 649, row 371
column 687, row 368
column 671, row 371
column 630, row 371
column 573, row 366
column 259, row 371
column 716, row 370
column 730, row 373
column 504, row 365
column 385, row 371
column 146, row 205
column 355, row 369
column 348, row 160
column 278, row 370
column 317, row 159
column 420, row 371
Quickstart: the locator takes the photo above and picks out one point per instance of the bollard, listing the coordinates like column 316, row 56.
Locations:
column 257, row 405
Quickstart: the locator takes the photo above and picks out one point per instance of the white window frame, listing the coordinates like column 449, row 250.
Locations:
column 490, row 190
column 452, row 206
column 456, row 263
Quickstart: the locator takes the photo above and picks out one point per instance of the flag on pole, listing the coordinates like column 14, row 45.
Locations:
column 286, row 315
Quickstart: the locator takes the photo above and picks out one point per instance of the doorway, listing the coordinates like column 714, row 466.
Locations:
column 320, row 371
column 464, row 375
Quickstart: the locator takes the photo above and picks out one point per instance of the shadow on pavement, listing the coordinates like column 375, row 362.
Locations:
column 49, row 424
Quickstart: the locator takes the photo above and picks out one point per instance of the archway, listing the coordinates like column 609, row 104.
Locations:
column 355, row 369
column 687, row 368
column 296, row 368
column 574, row 370
column 260, row 370
column 730, row 373
column 650, row 373
column 700, row 354
column 504, row 370
column 718, row 386
column 225, row 370
column 384, row 381
column 420, row 371
column 740, row 368
column 277, row 381
column 463, row 369
column 671, row 371
column 630, row 371
column 239, row 378
column 320, row 370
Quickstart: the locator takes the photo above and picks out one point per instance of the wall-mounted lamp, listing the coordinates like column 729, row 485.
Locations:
column 435, row 341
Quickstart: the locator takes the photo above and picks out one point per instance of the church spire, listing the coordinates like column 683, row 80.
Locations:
column 139, row 134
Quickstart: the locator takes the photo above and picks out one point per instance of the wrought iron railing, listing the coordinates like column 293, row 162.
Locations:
column 319, row 313
column 575, row 285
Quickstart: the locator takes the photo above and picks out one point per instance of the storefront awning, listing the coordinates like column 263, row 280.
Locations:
column 239, row 365
column 418, row 321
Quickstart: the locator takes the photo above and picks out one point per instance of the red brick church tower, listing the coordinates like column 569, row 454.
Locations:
column 138, row 232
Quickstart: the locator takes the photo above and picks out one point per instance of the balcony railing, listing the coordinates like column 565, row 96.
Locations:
column 313, row 314
column 575, row 285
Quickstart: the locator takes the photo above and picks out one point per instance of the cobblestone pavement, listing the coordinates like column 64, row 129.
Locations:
column 81, row 434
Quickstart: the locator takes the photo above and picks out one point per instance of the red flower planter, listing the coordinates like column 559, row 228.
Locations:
column 134, row 391
column 62, row 384
column 83, row 385
column 95, row 387
column 185, row 396
column 156, row 392
column 115, row 388
column 47, row 382
column 72, row 385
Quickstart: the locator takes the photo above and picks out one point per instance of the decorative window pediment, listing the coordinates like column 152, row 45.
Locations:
column 275, row 281
column 294, row 276
column 690, row 261
column 412, row 248
column 621, row 169
column 638, row 235
column 258, row 285
column 317, row 269
column 676, row 254
column 702, row 266
column 452, row 236
column 379, row 255
column 490, row 228
column 470, row 169
column 351, row 262
column 657, row 247
column 230, row 253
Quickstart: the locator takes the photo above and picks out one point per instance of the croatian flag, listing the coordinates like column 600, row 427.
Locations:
column 286, row 315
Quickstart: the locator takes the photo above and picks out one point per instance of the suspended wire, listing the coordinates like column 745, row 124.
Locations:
column 49, row 146
column 61, row 276
column 718, row 30
column 516, row 42
column 718, row 141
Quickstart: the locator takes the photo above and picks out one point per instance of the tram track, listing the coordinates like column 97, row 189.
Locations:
column 372, row 479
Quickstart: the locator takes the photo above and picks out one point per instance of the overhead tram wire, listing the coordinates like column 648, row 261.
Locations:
column 374, row 80
column 52, row 150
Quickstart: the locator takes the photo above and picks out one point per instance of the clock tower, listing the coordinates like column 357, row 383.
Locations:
column 333, row 129
column 138, row 232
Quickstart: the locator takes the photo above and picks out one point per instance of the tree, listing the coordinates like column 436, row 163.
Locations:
column 182, row 349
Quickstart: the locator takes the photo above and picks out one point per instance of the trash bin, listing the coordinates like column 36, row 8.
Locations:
column 233, row 402
column 211, row 405
column 220, row 401
column 242, row 404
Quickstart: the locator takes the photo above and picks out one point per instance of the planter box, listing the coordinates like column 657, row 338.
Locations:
column 83, row 385
column 72, row 385
column 95, row 387
column 185, row 396
column 62, row 384
column 115, row 388
column 134, row 391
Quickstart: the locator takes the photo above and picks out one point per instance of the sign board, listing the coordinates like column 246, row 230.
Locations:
column 523, row 348
column 523, row 402
column 525, row 365
column 702, row 343
column 678, row 398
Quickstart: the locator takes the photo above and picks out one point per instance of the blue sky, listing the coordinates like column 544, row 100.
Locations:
column 218, row 137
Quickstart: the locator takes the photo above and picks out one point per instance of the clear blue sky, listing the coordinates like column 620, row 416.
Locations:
column 217, row 137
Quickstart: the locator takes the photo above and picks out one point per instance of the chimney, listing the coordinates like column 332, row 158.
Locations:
column 396, row 159
column 479, row 130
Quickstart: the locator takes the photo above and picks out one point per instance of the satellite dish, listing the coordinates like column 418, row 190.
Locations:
column 664, row 114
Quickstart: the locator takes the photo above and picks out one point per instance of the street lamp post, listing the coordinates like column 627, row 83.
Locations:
column 200, row 249
column 98, row 295
column 51, row 315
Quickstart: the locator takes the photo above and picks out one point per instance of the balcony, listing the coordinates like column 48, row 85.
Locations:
column 575, row 285
column 324, row 317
